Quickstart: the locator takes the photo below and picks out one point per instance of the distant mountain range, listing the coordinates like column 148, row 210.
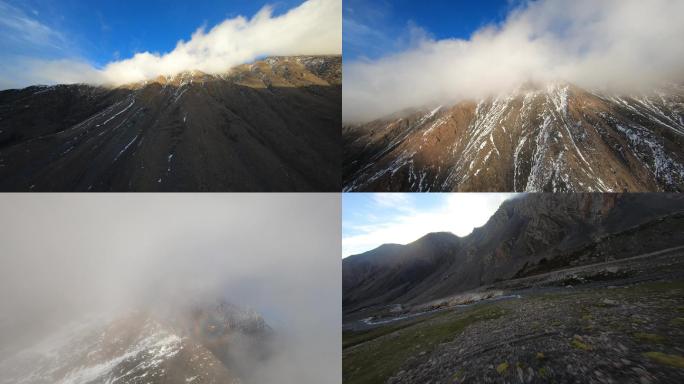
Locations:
column 528, row 235
column 555, row 138
column 273, row 125
column 198, row 344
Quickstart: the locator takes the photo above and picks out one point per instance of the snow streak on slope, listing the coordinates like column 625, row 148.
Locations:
column 558, row 138
column 224, row 132
column 95, row 353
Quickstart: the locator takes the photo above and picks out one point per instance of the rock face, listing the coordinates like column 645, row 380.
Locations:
column 531, row 234
column 559, row 138
column 269, row 126
column 202, row 345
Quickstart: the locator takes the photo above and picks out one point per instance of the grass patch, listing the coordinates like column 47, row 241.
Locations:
column 458, row 375
column 379, row 358
column 578, row 342
column 502, row 368
column 351, row 338
column 665, row 359
column 678, row 322
column 671, row 288
column 649, row 338
column 544, row 372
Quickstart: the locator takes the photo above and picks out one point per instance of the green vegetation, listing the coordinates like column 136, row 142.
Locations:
column 665, row 359
column 678, row 322
column 671, row 288
column 544, row 372
column 351, row 338
column 578, row 343
column 385, row 349
column 457, row 375
column 649, row 338
column 502, row 368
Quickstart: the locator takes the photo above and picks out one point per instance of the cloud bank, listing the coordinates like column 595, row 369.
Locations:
column 314, row 27
column 622, row 45
column 401, row 218
column 66, row 257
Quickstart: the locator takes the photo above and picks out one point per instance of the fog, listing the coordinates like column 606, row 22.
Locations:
column 615, row 45
column 313, row 28
column 67, row 256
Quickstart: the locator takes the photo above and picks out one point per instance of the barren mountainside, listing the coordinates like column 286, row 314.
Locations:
column 558, row 138
column 210, row 344
column 527, row 235
column 268, row 126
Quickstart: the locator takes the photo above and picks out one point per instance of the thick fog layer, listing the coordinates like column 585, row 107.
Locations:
column 314, row 27
column 65, row 257
column 620, row 45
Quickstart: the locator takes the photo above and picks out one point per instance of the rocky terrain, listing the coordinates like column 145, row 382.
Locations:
column 558, row 138
column 273, row 125
column 528, row 235
column 211, row 343
column 621, row 322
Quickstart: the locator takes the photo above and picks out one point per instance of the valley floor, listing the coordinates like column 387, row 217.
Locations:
column 615, row 328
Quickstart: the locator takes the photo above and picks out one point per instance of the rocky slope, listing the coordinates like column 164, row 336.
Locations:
column 555, row 138
column 528, row 235
column 273, row 125
column 207, row 344
column 625, row 327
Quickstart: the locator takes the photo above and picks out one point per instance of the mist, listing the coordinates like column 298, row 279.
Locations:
column 614, row 45
column 66, row 257
column 313, row 28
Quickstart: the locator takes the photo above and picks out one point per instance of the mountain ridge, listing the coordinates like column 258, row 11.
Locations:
column 270, row 126
column 556, row 138
column 198, row 344
column 523, row 237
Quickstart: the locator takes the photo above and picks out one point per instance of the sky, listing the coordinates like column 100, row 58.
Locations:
column 372, row 219
column 76, row 40
column 403, row 55
column 376, row 28
column 67, row 256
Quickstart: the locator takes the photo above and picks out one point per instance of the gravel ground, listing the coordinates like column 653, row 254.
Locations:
column 622, row 330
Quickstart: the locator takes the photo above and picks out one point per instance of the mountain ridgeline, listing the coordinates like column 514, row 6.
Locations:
column 211, row 343
column 558, row 138
column 528, row 235
column 273, row 125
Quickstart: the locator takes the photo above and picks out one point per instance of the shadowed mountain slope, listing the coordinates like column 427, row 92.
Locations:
column 268, row 126
column 531, row 234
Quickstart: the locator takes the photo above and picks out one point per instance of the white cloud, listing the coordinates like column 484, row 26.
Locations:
column 314, row 27
column 458, row 213
column 398, row 201
column 20, row 30
column 276, row 253
column 623, row 45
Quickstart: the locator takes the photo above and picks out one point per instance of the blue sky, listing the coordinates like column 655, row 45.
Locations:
column 102, row 31
column 375, row 28
column 121, row 42
column 372, row 219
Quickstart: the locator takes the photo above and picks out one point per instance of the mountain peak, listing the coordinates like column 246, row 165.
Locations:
column 524, row 236
column 552, row 137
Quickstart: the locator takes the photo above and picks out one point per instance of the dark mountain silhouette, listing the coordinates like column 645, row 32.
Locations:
column 527, row 235
column 273, row 125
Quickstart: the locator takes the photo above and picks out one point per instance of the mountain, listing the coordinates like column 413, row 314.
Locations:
column 527, row 235
column 197, row 345
column 558, row 138
column 273, row 125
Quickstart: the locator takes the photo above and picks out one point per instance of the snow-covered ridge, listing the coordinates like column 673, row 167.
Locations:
column 553, row 138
